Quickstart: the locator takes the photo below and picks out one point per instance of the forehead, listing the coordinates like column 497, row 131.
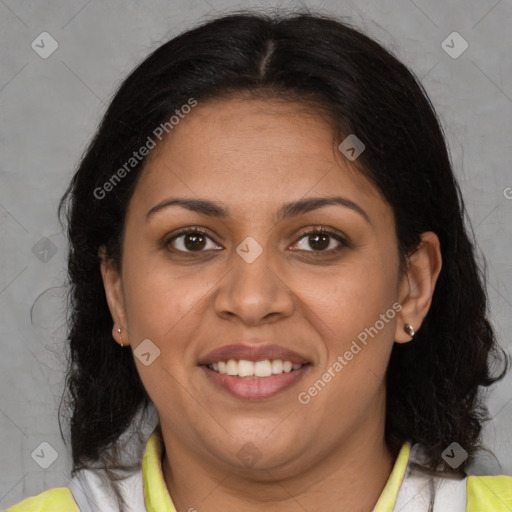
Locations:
column 244, row 150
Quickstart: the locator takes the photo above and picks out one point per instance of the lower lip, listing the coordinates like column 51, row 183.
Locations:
column 258, row 387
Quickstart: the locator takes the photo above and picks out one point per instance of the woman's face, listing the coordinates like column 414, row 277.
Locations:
column 256, row 278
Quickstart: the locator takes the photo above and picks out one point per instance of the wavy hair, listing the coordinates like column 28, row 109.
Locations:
column 359, row 87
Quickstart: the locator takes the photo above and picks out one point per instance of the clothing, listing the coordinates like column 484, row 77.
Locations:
column 407, row 490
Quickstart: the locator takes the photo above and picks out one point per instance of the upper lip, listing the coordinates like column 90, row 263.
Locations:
column 252, row 353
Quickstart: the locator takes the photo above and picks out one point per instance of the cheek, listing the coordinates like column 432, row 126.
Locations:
column 165, row 308
column 356, row 321
column 351, row 299
column 353, row 312
column 160, row 300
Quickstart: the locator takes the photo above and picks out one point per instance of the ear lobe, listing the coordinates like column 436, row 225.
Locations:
column 418, row 285
column 113, row 285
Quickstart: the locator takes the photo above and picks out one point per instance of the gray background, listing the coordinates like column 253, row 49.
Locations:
column 49, row 109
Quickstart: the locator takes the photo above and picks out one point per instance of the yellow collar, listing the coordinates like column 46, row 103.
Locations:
column 157, row 498
column 156, row 495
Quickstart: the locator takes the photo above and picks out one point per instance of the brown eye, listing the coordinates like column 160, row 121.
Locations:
column 321, row 241
column 194, row 242
column 191, row 240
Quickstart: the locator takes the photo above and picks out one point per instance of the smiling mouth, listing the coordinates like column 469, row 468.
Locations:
column 254, row 369
column 257, row 380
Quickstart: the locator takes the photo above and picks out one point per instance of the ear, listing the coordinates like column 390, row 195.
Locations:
column 417, row 285
column 113, row 284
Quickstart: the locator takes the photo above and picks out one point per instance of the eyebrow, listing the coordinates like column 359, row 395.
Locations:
column 288, row 210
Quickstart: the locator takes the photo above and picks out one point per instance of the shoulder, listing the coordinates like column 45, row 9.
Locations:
column 86, row 492
column 495, row 492
column 469, row 493
column 58, row 499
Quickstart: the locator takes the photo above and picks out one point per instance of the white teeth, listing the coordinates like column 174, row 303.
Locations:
column 277, row 366
column 232, row 367
column 244, row 368
column 263, row 368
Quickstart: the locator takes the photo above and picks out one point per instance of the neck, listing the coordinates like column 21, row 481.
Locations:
column 351, row 477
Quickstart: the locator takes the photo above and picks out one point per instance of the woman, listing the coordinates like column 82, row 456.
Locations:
column 268, row 226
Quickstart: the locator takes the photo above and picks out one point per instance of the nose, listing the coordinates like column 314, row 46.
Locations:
column 253, row 292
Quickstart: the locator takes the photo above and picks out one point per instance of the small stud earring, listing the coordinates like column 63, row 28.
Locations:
column 119, row 331
column 409, row 330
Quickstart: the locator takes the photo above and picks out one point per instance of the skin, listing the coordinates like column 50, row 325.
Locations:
column 252, row 156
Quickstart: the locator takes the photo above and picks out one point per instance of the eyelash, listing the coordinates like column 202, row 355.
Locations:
column 313, row 231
